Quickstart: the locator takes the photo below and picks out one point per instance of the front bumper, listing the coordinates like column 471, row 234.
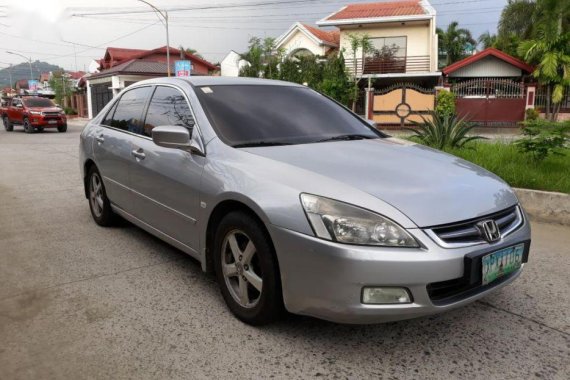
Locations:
column 41, row 121
column 325, row 279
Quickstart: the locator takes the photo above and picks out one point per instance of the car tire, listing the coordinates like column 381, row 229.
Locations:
column 9, row 127
column 62, row 128
column 248, row 276
column 99, row 204
column 28, row 128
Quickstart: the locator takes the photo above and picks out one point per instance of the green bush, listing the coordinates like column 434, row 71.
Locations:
column 445, row 103
column 443, row 131
column 532, row 114
column 543, row 138
column 69, row 111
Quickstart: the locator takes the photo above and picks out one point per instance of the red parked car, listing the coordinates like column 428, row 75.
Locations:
column 34, row 114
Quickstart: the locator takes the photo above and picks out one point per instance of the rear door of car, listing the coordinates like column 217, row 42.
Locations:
column 166, row 181
column 113, row 145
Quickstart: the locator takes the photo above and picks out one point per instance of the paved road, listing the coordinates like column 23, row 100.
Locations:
column 79, row 301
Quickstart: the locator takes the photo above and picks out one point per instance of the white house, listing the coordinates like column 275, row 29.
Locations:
column 302, row 39
column 232, row 64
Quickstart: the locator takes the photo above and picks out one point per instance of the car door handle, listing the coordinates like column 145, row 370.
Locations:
column 100, row 139
column 138, row 154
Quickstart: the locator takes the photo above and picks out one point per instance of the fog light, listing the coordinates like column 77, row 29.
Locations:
column 387, row 295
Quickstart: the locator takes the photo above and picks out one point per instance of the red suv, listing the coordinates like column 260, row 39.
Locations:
column 34, row 113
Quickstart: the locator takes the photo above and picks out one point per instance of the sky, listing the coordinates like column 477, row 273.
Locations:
column 66, row 33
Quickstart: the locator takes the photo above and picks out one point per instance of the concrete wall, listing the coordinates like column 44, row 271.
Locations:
column 546, row 206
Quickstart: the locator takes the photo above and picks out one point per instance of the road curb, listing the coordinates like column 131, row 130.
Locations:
column 546, row 206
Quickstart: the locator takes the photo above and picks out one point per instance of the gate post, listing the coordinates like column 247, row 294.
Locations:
column 530, row 97
column 369, row 103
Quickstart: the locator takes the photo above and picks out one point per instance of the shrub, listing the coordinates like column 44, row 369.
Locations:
column 543, row 138
column 443, row 131
column 445, row 105
column 532, row 114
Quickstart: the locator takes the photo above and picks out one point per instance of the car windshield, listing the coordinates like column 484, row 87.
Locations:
column 266, row 115
column 38, row 102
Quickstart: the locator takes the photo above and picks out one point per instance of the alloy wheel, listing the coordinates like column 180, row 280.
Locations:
column 241, row 269
column 96, row 195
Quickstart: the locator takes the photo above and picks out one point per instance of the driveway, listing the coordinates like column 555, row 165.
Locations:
column 81, row 301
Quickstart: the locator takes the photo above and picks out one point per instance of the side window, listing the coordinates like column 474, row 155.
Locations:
column 129, row 110
column 168, row 107
column 109, row 117
column 15, row 102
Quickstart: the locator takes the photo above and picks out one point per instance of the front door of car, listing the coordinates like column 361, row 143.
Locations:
column 166, row 181
column 113, row 144
column 15, row 112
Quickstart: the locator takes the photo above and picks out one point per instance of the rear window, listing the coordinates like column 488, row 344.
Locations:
column 249, row 114
column 38, row 102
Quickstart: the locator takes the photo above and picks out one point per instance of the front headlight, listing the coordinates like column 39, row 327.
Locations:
column 344, row 223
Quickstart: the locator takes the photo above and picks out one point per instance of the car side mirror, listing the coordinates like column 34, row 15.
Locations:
column 177, row 137
column 19, row 106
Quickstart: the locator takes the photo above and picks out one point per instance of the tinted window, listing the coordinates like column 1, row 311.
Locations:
column 38, row 102
column 109, row 118
column 168, row 107
column 129, row 110
column 15, row 102
column 249, row 114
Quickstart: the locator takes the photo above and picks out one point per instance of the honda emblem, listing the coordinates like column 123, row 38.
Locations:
column 489, row 230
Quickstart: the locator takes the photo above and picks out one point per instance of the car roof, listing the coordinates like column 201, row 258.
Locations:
column 222, row 81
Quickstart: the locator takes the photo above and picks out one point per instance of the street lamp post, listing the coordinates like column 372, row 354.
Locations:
column 29, row 59
column 164, row 15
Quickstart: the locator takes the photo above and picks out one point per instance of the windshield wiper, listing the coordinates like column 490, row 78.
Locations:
column 348, row 138
column 254, row 144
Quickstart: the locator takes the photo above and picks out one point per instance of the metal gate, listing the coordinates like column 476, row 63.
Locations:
column 101, row 94
column 402, row 104
column 490, row 101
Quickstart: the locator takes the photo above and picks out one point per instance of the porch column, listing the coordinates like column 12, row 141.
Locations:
column 89, row 105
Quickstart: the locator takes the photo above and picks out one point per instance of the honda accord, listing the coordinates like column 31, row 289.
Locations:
column 298, row 204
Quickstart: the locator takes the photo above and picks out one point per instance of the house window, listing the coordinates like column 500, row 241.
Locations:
column 389, row 47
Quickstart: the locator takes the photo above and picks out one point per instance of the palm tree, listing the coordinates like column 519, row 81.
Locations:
column 517, row 18
column 550, row 51
column 454, row 41
column 487, row 39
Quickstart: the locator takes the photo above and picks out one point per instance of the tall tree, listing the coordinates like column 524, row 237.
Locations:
column 549, row 49
column 360, row 44
column 453, row 42
column 263, row 58
column 487, row 40
column 516, row 24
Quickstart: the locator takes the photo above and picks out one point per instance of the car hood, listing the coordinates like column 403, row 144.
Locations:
column 429, row 187
column 44, row 109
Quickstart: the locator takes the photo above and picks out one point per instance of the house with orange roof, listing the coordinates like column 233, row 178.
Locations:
column 403, row 36
column 303, row 39
column 122, row 67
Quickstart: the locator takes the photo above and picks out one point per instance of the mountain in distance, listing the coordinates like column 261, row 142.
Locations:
column 22, row 71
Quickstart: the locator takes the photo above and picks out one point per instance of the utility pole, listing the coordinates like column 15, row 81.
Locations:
column 29, row 59
column 164, row 20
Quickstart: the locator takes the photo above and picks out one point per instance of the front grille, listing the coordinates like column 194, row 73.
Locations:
column 56, row 114
column 467, row 233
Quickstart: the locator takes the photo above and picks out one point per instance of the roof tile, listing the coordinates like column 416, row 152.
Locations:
column 379, row 9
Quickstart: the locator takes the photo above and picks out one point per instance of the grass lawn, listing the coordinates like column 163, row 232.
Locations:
column 552, row 174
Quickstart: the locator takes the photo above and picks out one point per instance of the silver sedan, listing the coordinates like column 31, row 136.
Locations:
column 298, row 204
